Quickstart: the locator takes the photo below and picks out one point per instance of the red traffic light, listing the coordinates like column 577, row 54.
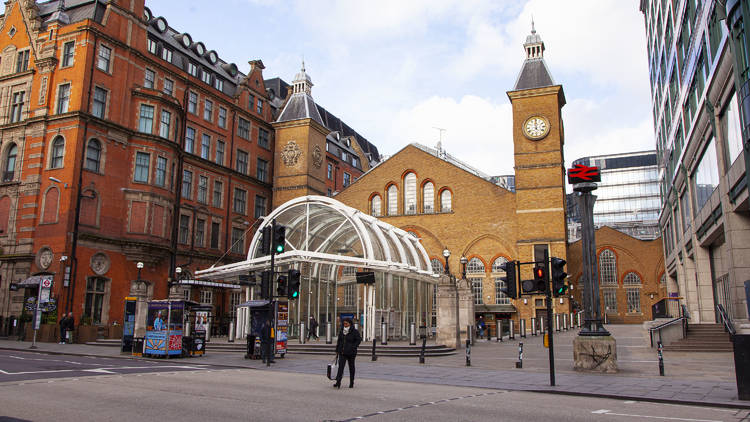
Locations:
column 539, row 272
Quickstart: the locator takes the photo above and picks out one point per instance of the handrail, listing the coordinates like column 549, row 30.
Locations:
column 682, row 319
column 725, row 320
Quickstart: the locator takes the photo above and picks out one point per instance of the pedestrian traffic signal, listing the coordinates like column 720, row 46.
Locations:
column 293, row 284
column 279, row 238
column 559, row 288
column 511, row 283
column 281, row 286
column 541, row 279
column 265, row 239
column 265, row 284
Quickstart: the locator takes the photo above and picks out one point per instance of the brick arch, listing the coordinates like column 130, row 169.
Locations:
column 369, row 203
column 479, row 257
column 90, row 207
column 494, row 258
column 50, row 205
column 387, row 198
column 477, row 239
column 440, row 198
column 621, row 281
column 420, row 194
column 407, row 171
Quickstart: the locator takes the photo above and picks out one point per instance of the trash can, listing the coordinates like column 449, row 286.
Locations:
column 138, row 346
column 741, row 344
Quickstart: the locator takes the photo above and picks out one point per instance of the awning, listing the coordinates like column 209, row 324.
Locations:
column 253, row 304
column 502, row 308
column 209, row 284
column 32, row 281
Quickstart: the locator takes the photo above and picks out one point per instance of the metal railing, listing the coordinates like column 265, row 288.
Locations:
column 682, row 319
column 724, row 317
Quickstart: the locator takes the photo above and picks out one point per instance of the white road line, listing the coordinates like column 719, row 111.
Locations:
column 609, row 413
column 684, row 405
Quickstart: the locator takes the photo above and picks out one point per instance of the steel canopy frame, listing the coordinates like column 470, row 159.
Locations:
column 324, row 230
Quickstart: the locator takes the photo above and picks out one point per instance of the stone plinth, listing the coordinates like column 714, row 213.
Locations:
column 595, row 354
column 446, row 311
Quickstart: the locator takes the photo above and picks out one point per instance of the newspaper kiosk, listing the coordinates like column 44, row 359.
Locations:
column 259, row 312
column 168, row 328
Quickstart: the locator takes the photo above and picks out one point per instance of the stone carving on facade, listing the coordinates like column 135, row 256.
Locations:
column 317, row 156
column 290, row 154
column 44, row 258
column 100, row 263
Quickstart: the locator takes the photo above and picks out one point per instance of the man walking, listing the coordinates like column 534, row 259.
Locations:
column 63, row 326
column 267, row 338
column 313, row 331
column 70, row 324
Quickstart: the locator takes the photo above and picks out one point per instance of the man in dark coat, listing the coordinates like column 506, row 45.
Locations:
column 313, row 331
column 266, row 343
column 70, row 325
column 63, row 327
column 346, row 348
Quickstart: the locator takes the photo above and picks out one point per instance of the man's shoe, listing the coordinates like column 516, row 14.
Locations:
column 337, row 385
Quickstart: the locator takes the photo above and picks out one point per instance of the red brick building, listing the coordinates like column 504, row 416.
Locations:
column 132, row 135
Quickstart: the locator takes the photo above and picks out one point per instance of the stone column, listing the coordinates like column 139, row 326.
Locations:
column 446, row 313
column 139, row 290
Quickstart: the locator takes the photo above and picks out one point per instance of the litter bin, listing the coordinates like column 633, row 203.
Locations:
column 138, row 346
column 741, row 344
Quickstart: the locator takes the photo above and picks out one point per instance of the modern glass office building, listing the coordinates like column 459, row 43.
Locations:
column 627, row 198
column 704, row 199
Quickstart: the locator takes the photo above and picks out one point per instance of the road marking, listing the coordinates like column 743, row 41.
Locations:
column 100, row 370
column 610, row 413
column 683, row 405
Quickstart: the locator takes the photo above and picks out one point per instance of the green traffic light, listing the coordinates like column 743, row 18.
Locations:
column 295, row 294
column 279, row 248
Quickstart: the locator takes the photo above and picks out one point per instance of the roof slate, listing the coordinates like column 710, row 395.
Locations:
column 534, row 74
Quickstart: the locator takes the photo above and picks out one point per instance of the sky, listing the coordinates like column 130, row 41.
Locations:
column 396, row 70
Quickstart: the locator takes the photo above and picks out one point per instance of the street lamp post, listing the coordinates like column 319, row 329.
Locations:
column 447, row 254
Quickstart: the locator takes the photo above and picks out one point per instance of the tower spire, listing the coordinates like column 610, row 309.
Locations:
column 534, row 45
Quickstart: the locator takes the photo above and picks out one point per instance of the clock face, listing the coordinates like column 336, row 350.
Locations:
column 536, row 127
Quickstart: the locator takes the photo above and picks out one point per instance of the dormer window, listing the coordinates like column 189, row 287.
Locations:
column 192, row 69
column 206, row 77
column 152, row 46
column 166, row 55
column 213, row 57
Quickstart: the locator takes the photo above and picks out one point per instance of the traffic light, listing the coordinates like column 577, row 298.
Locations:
column 265, row 284
column 293, row 284
column 511, row 284
column 279, row 238
column 281, row 287
column 265, row 239
column 541, row 278
column 559, row 288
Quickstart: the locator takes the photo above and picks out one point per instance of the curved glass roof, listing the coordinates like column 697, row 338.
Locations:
column 321, row 229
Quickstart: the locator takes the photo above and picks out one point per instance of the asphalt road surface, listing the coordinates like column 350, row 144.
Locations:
column 25, row 366
column 179, row 393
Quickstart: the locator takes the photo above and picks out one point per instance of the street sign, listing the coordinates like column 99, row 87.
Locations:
column 365, row 277
column 46, row 283
column 583, row 174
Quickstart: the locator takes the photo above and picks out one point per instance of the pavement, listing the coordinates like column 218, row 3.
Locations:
column 703, row 379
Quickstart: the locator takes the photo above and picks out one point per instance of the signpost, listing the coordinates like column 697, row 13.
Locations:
column 43, row 298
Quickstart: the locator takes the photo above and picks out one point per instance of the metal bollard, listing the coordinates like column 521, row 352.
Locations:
column 572, row 321
column 541, row 324
column 578, row 318
column 374, row 356
column 661, row 359
column 412, row 334
column 557, row 322
column 470, row 333
column 383, row 333
column 302, row 336
column 522, row 328
column 421, row 353
column 468, row 352
column 519, row 364
column 533, row 326
column 512, row 330
column 231, row 332
column 499, row 331
column 565, row 322
column 329, row 334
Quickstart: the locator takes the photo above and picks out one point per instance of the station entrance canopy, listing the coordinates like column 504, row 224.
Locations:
column 329, row 242
column 322, row 230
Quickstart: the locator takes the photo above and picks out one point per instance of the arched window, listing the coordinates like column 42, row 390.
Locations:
column 445, row 201
column 9, row 169
column 607, row 268
column 93, row 155
column 375, row 206
column 633, row 284
column 437, row 266
column 58, row 152
column 498, row 273
column 475, row 274
column 632, row 279
column 428, row 198
column 51, row 201
column 392, row 200
column 410, row 193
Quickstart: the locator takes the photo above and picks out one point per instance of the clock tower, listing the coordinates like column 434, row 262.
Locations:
column 538, row 139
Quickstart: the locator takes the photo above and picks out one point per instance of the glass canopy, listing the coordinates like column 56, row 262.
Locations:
column 322, row 230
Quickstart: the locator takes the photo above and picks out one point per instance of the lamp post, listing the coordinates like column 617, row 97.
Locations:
column 447, row 254
column 464, row 261
column 139, row 265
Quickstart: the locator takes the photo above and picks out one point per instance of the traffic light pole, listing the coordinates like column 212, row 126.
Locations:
column 548, row 294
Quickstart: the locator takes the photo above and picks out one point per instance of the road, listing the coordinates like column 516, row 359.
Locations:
column 66, row 388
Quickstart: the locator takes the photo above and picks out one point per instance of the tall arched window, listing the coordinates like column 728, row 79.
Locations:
column 410, row 193
column 428, row 198
column 58, row 152
column 633, row 284
column 392, row 200
column 607, row 267
column 498, row 273
column 437, row 266
column 9, row 169
column 375, row 206
column 93, row 155
column 51, row 201
column 445, row 201
column 475, row 274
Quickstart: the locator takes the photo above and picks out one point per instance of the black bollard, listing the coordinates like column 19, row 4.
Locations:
column 468, row 352
column 374, row 357
column 661, row 360
column 421, row 353
column 519, row 364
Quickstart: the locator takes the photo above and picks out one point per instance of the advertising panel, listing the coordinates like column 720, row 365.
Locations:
column 282, row 326
column 164, row 328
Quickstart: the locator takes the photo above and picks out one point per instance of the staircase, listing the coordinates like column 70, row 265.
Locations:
column 293, row 347
column 703, row 338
